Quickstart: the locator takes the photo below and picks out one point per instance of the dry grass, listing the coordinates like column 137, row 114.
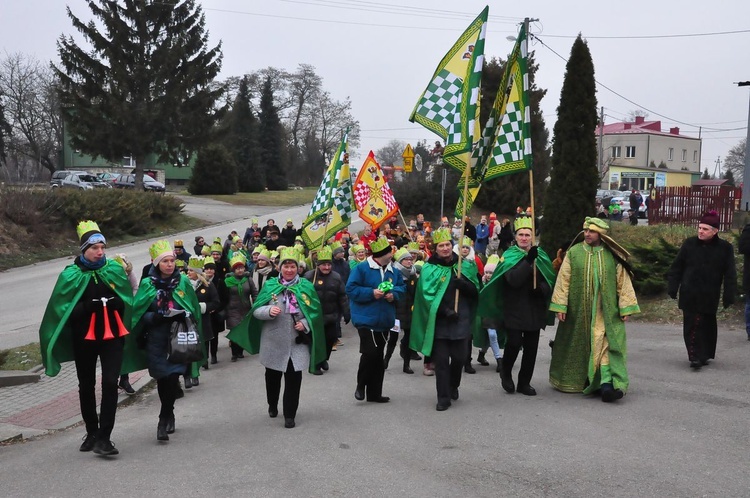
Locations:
column 21, row 358
column 270, row 198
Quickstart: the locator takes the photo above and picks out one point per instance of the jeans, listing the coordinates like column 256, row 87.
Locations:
column 492, row 334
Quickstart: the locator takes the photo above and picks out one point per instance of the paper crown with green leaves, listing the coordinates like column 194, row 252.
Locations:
column 217, row 248
column 254, row 221
column 379, row 245
column 325, row 254
column 356, row 248
column 264, row 254
column 217, row 240
column 291, row 254
column 206, row 250
column 494, row 259
column 402, row 254
column 259, row 248
column 85, row 227
column 273, row 255
column 522, row 222
column 179, row 263
column 466, row 241
column 441, row 235
column 335, row 245
column 196, row 262
column 237, row 259
column 412, row 246
column 160, row 248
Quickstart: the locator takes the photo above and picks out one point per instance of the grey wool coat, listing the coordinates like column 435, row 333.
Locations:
column 277, row 339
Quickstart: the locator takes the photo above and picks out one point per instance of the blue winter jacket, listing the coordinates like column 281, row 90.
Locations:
column 376, row 314
column 483, row 238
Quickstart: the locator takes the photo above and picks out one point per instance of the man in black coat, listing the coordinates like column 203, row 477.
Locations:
column 744, row 249
column 699, row 269
column 333, row 300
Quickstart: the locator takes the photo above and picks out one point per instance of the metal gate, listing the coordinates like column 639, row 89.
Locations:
column 686, row 205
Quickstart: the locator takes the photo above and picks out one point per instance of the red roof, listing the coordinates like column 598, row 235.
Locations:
column 710, row 183
column 640, row 126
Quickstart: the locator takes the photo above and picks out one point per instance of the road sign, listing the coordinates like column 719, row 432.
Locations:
column 408, row 156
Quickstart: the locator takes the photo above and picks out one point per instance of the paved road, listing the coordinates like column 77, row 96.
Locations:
column 28, row 288
column 677, row 433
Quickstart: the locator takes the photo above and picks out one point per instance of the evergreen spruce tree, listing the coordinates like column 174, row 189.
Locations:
column 4, row 133
column 729, row 176
column 574, row 177
column 504, row 194
column 271, row 140
column 214, row 172
column 143, row 84
column 242, row 142
column 706, row 175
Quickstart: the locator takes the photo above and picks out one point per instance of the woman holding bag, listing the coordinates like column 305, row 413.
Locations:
column 164, row 296
column 286, row 326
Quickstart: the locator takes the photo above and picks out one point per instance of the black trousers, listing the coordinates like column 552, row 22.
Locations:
column 448, row 357
column 699, row 331
column 167, row 387
column 213, row 346
column 404, row 350
column 85, row 354
column 292, row 385
column 237, row 350
column 371, row 372
column 529, row 339
column 332, row 335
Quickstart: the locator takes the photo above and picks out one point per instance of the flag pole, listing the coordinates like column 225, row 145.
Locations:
column 463, row 224
column 404, row 220
column 533, row 218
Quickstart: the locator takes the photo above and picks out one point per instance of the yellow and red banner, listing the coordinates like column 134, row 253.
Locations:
column 372, row 195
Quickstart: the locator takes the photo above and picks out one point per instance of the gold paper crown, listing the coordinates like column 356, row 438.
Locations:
column 379, row 244
column 441, row 235
column 325, row 254
column 86, row 226
column 217, row 248
column 413, row 246
column 196, row 262
column 401, row 254
column 237, row 258
column 158, row 248
column 522, row 222
column 291, row 254
column 178, row 243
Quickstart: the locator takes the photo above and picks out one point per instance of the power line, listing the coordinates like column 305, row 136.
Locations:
column 651, row 37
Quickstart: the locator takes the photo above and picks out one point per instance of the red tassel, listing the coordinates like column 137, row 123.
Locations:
column 107, row 329
column 90, row 335
column 120, row 325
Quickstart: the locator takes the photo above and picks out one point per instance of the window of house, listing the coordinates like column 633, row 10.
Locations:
column 695, row 156
column 670, row 154
column 684, row 155
column 616, row 151
column 630, row 151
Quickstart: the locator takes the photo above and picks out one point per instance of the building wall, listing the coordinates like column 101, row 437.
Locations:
column 645, row 178
column 652, row 148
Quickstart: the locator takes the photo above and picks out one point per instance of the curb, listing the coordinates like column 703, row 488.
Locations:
column 17, row 377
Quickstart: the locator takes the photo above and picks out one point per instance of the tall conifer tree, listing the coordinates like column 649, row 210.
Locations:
column 271, row 139
column 574, row 177
column 4, row 133
column 242, row 142
column 142, row 84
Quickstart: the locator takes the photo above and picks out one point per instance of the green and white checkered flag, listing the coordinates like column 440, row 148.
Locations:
column 508, row 128
column 331, row 209
column 448, row 105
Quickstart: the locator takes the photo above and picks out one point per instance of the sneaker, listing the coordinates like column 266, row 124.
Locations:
column 428, row 370
column 89, row 440
column 105, row 447
column 333, row 348
column 339, row 343
column 125, row 386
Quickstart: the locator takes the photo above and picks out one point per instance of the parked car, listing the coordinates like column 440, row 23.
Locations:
column 59, row 176
column 107, row 177
column 149, row 184
column 80, row 180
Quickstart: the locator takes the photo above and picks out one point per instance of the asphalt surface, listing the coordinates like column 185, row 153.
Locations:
column 677, row 432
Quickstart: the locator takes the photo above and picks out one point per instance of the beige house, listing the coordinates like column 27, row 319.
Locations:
column 640, row 155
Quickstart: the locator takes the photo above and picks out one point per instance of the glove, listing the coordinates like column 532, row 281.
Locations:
column 302, row 338
column 451, row 315
column 347, row 319
column 673, row 295
column 532, row 254
column 465, row 285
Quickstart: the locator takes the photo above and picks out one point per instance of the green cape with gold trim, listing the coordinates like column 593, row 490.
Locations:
column 431, row 287
column 55, row 335
column 247, row 333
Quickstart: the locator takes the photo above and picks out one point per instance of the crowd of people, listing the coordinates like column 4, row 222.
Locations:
column 445, row 291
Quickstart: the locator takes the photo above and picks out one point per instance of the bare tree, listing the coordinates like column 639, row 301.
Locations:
column 637, row 113
column 735, row 160
column 391, row 154
column 32, row 110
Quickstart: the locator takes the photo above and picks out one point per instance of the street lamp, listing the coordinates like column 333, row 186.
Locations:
column 746, row 173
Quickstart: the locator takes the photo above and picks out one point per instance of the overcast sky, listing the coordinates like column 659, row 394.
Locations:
column 382, row 54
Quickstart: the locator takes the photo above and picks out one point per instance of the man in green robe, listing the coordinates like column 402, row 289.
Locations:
column 593, row 298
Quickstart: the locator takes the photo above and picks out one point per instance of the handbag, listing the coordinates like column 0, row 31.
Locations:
column 184, row 342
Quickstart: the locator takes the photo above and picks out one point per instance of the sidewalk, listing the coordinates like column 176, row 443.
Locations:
column 33, row 409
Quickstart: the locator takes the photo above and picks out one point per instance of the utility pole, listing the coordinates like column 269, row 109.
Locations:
column 604, row 182
column 746, row 173
column 717, row 167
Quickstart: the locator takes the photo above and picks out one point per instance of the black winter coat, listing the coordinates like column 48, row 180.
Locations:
column 332, row 294
column 744, row 249
column 525, row 307
column 209, row 295
column 405, row 304
column 698, row 272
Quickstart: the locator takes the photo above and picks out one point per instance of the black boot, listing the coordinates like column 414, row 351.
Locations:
column 499, row 365
column 161, row 431
column 481, row 360
column 469, row 369
column 407, row 368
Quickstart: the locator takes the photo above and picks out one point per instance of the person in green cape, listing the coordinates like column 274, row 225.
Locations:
column 593, row 298
column 164, row 297
column 286, row 326
column 519, row 302
column 438, row 330
column 85, row 321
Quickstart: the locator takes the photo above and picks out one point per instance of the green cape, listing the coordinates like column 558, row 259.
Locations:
column 55, row 335
column 431, row 287
column 491, row 296
column 185, row 296
column 247, row 333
